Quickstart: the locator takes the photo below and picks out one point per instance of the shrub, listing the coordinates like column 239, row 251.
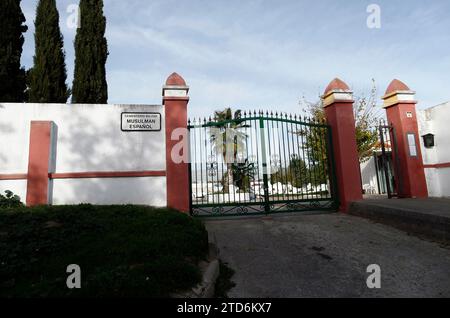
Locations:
column 10, row 200
column 123, row 251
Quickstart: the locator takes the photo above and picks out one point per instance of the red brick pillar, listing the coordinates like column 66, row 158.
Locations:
column 400, row 105
column 175, row 101
column 338, row 104
column 39, row 161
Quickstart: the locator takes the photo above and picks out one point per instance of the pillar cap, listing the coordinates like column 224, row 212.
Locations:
column 398, row 92
column 337, row 91
column 175, row 87
column 336, row 85
column 175, row 80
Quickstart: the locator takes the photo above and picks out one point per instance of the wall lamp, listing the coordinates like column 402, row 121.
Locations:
column 428, row 140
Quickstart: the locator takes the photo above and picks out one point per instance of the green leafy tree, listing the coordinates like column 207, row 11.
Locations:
column 47, row 83
column 10, row 200
column 91, row 53
column 297, row 173
column 12, row 75
column 367, row 114
column 243, row 175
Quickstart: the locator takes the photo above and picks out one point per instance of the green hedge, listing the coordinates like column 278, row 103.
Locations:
column 123, row 251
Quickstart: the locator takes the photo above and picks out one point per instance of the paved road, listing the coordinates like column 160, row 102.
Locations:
column 327, row 256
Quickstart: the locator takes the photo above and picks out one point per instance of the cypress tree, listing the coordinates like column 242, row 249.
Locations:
column 12, row 76
column 91, row 53
column 48, row 75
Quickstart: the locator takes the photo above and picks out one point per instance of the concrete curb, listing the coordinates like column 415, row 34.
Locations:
column 434, row 227
column 207, row 287
column 210, row 272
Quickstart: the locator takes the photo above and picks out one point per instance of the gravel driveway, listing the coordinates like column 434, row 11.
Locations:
column 327, row 255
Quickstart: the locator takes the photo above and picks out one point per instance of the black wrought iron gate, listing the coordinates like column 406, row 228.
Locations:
column 389, row 161
column 261, row 163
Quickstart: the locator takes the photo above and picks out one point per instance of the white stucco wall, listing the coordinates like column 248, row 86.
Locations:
column 433, row 182
column 145, row 191
column 369, row 176
column 88, row 139
column 444, row 180
column 436, row 120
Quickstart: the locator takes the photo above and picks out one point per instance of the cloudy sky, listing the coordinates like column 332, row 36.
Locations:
column 265, row 54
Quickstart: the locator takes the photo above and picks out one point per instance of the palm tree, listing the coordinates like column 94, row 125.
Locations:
column 227, row 140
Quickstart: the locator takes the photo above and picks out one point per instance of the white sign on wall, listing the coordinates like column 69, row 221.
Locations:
column 141, row 122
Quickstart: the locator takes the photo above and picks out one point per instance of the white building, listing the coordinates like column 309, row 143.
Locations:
column 436, row 121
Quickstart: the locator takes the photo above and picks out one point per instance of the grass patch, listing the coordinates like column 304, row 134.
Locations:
column 123, row 251
column 224, row 282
